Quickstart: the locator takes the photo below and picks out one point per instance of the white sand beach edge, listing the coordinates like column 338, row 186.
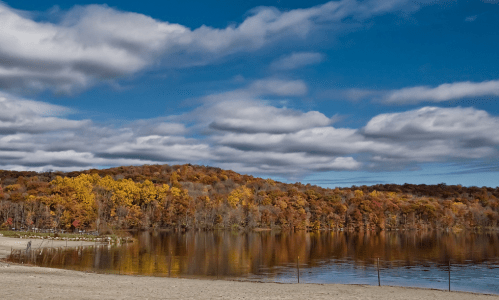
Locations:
column 8, row 243
column 25, row 282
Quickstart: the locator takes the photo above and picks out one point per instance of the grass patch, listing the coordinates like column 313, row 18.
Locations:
column 9, row 233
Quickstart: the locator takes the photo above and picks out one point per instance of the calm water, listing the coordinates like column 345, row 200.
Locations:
column 406, row 258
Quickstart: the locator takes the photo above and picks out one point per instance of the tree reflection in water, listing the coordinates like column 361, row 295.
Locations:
column 272, row 256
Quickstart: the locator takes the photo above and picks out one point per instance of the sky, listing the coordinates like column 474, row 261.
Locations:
column 335, row 93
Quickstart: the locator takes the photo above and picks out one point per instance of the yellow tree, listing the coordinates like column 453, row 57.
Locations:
column 77, row 198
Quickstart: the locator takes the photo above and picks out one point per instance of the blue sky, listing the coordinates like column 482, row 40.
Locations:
column 335, row 93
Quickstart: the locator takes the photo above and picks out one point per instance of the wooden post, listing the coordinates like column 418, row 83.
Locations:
column 379, row 282
column 169, row 264
column 449, row 275
column 298, row 268
column 121, row 262
column 218, row 265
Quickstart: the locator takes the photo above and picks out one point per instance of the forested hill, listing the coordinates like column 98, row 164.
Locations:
column 198, row 197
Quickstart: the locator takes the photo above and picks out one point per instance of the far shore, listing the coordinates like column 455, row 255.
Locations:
column 29, row 282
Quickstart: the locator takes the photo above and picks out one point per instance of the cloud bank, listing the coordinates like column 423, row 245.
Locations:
column 97, row 43
column 443, row 92
column 240, row 131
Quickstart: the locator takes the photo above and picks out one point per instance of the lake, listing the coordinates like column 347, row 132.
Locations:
column 406, row 258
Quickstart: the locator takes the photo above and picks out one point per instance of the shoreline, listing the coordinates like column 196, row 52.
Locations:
column 26, row 281
column 9, row 243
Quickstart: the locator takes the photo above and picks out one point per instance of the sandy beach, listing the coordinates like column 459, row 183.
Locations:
column 7, row 243
column 26, row 282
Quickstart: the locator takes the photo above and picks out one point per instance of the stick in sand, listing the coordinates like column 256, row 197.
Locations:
column 449, row 275
column 298, row 267
column 169, row 264
column 379, row 282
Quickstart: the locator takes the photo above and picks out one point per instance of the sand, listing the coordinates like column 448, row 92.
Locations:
column 6, row 243
column 25, row 282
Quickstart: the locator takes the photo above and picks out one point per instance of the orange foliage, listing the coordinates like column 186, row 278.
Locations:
column 191, row 196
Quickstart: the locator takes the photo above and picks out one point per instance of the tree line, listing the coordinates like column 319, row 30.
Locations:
column 199, row 197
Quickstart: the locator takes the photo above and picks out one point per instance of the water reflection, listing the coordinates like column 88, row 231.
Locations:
column 406, row 258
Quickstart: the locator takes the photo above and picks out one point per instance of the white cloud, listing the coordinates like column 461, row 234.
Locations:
column 33, row 138
column 158, row 127
column 243, row 111
column 260, row 88
column 251, row 116
column 426, row 135
column 435, row 123
column 443, row 92
column 12, row 106
column 98, row 43
column 162, row 141
column 291, row 164
column 433, row 132
column 159, row 148
column 246, row 134
column 25, row 116
column 91, row 43
column 297, row 60
column 319, row 140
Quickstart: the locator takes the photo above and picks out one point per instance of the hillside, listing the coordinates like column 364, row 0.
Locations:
column 198, row 197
